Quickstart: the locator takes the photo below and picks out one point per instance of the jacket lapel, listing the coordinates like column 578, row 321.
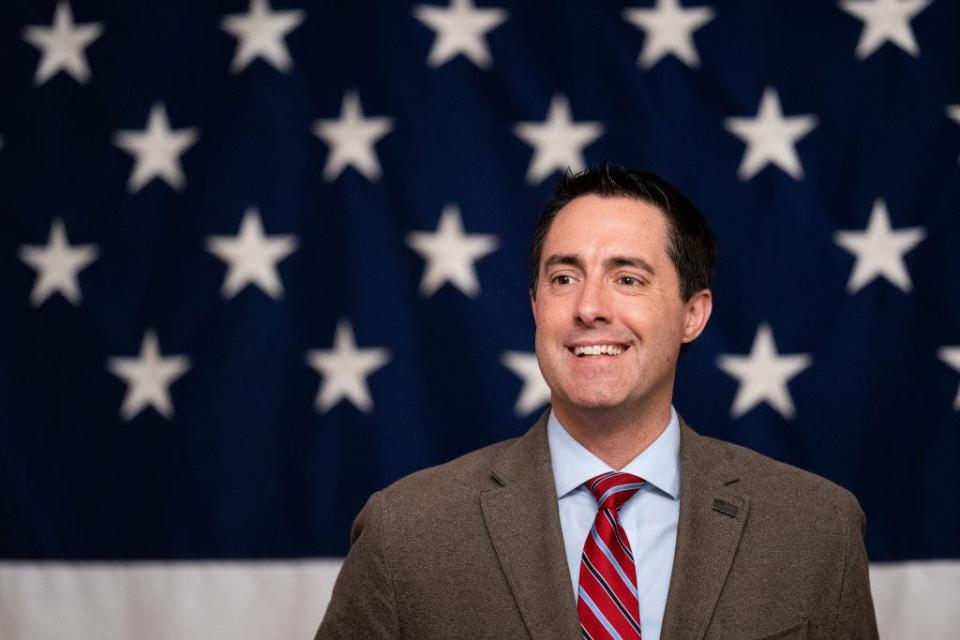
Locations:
column 524, row 524
column 712, row 515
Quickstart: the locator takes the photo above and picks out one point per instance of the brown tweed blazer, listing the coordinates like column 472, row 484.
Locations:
column 473, row 549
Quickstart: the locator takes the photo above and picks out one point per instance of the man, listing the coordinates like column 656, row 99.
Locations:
column 610, row 518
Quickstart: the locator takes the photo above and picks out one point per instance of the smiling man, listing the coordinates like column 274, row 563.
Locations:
column 610, row 518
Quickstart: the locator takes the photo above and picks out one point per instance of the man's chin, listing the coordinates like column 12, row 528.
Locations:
column 598, row 401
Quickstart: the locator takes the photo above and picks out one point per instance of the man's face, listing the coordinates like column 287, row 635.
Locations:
column 607, row 307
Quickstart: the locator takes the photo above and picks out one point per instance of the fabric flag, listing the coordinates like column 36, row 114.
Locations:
column 260, row 258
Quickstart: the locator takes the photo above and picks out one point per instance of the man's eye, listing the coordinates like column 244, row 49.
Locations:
column 630, row 281
column 562, row 279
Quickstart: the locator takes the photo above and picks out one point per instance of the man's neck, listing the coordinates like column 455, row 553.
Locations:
column 614, row 435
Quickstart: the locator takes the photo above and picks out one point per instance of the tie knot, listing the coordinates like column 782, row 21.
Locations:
column 614, row 488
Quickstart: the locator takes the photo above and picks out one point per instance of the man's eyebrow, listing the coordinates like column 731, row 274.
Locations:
column 571, row 260
column 629, row 261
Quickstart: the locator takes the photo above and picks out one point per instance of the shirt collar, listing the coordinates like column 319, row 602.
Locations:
column 658, row 464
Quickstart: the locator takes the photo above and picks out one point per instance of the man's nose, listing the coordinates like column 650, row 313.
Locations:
column 593, row 305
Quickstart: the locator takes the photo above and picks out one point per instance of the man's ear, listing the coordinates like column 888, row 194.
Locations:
column 697, row 312
column 533, row 304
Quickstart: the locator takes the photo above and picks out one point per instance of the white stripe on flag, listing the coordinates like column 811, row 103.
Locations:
column 256, row 600
column 917, row 599
column 164, row 601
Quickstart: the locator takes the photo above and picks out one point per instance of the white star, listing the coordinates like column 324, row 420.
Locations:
column 953, row 112
column 351, row 139
column 57, row 265
column 770, row 137
column 157, row 150
column 345, row 369
column 252, row 257
column 879, row 250
column 148, row 377
column 668, row 28
column 261, row 34
column 450, row 253
column 885, row 20
column 763, row 375
column 951, row 355
column 62, row 45
column 558, row 142
column 535, row 392
column 460, row 28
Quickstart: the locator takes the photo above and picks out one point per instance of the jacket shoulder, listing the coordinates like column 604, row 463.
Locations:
column 458, row 477
column 775, row 480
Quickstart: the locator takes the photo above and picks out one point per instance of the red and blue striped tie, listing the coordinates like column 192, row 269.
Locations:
column 607, row 594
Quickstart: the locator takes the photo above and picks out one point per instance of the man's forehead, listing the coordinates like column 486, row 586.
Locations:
column 594, row 200
column 617, row 223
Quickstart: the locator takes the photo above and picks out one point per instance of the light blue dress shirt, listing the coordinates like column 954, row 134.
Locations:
column 649, row 517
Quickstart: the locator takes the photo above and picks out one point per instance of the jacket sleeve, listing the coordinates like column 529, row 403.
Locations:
column 363, row 604
column 855, row 615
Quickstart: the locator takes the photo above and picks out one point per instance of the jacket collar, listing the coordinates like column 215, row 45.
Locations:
column 523, row 521
column 712, row 515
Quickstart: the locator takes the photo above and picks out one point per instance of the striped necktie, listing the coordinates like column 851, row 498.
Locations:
column 607, row 594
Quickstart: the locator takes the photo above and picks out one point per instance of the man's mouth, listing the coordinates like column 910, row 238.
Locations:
column 598, row 350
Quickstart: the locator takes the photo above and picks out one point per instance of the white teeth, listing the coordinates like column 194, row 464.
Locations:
column 598, row 349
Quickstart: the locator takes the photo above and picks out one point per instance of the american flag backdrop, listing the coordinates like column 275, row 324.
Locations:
column 259, row 259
